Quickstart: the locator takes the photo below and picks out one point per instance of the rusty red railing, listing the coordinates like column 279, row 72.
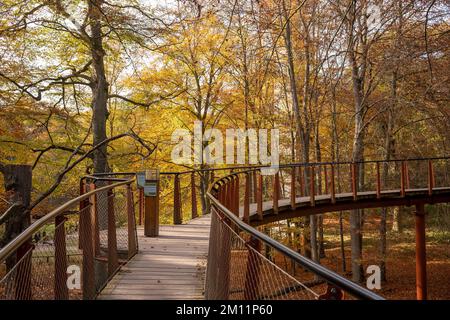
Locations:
column 247, row 198
column 73, row 251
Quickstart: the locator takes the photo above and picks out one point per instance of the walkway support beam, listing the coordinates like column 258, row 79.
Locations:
column 421, row 256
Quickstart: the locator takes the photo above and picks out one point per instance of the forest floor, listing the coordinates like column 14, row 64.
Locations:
column 400, row 263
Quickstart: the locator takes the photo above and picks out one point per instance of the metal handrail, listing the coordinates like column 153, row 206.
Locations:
column 279, row 166
column 328, row 275
column 28, row 232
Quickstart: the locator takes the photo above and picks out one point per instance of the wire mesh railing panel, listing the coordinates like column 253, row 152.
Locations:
column 73, row 254
column 16, row 282
column 238, row 270
column 121, row 221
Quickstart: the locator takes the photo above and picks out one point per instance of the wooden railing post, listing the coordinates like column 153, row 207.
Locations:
column 236, row 196
column 177, row 211
column 276, row 192
column 293, row 191
column 332, row 186
column 220, row 193
column 247, row 198
column 132, row 245
column 259, row 197
column 325, row 173
column 407, row 182
column 229, row 194
column 378, row 181
column 430, row 177
column 193, row 197
column 402, row 179
column 61, row 290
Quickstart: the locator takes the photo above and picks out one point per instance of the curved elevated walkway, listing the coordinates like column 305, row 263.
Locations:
column 345, row 201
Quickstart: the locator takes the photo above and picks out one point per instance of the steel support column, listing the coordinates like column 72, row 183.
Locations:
column 421, row 257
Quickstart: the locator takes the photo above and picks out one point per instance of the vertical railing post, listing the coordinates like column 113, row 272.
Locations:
column 332, row 186
column 236, row 196
column 325, row 173
column 61, row 291
column 293, row 191
column 312, row 190
column 177, row 211
column 259, row 197
column 251, row 287
column 276, row 192
column 430, row 177
column 193, row 197
column 421, row 256
column 402, row 179
column 113, row 260
column 247, row 198
column 229, row 194
column 378, row 181
column 132, row 245
column 407, row 182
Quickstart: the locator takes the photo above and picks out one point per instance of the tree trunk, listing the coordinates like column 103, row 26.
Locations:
column 99, row 88
column 204, row 185
column 17, row 182
column 397, row 220
column 357, row 156
column 389, row 149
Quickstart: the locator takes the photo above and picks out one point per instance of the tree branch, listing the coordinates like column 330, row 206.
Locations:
column 148, row 104
column 69, row 166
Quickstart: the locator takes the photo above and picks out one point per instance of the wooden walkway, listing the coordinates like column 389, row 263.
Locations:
column 171, row 266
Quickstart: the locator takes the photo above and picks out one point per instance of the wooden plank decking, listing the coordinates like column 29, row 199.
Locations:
column 171, row 266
